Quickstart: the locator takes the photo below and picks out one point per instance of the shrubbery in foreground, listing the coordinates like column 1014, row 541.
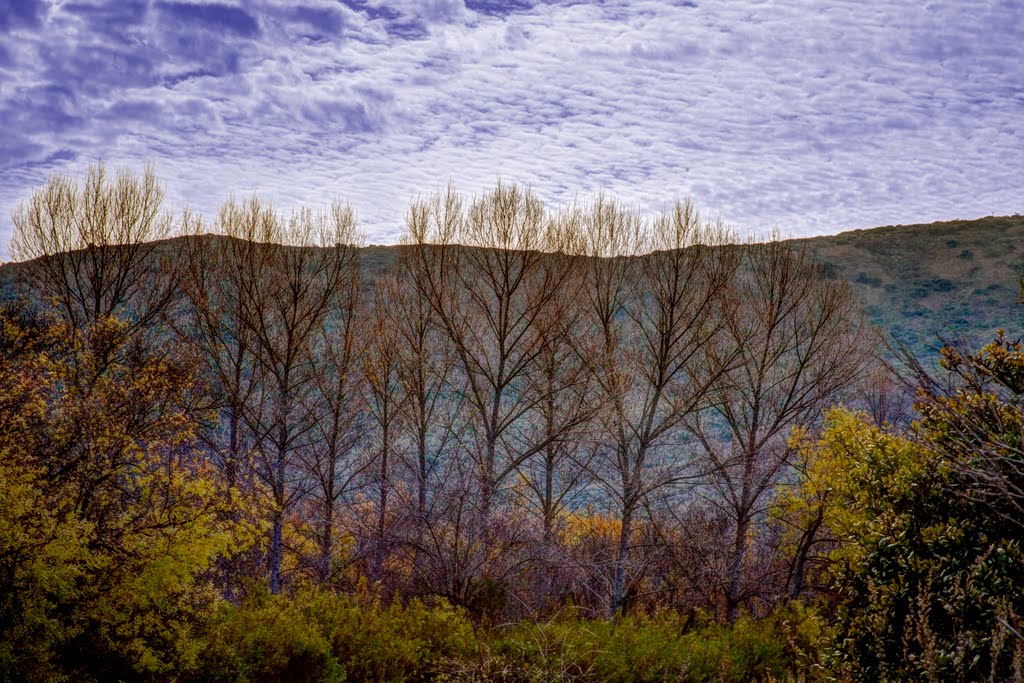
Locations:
column 318, row 636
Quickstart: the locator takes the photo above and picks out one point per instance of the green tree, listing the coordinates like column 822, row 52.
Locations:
column 927, row 569
column 108, row 516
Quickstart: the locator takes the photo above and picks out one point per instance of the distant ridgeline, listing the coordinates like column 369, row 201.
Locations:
column 954, row 280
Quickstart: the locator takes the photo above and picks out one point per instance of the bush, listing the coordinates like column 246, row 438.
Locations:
column 869, row 280
column 659, row 648
column 318, row 636
column 393, row 643
column 266, row 639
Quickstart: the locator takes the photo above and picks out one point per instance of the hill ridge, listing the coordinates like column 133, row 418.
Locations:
column 953, row 279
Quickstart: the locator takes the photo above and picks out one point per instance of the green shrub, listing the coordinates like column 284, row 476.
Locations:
column 266, row 639
column 393, row 643
column 659, row 648
column 869, row 280
column 319, row 636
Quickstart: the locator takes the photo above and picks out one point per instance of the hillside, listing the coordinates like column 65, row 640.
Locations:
column 955, row 279
column 951, row 279
column 919, row 283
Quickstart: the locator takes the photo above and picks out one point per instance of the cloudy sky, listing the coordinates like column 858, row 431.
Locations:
column 811, row 116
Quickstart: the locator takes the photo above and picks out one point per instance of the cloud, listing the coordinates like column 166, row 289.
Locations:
column 317, row 23
column 811, row 116
column 499, row 7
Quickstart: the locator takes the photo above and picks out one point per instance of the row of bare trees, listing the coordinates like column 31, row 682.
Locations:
column 525, row 408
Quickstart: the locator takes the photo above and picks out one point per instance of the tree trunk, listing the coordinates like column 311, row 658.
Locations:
column 327, row 523
column 487, row 486
column 621, row 560
column 549, row 503
column 382, row 512
column 732, row 598
column 802, row 554
column 276, row 540
column 234, row 446
column 275, row 550
column 421, row 503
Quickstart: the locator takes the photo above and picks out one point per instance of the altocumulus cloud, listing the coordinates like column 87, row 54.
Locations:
column 810, row 116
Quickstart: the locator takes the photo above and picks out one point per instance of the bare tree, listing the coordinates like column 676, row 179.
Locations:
column 489, row 287
column 332, row 463
column 281, row 282
column 796, row 340
column 883, row 396
column 431, row 399
column 211, row 322
column 93, row 251
column 220, row 271
column 564, row 379
column 656, row 315
column 384, row 398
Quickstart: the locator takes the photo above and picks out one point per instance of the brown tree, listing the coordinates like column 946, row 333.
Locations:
column 489, row 283
column 221, row 270
column 656, row 316
column 384, row 398
column 562, row 420
column 331, row 460
column 263, row 295
column 431, row 399
column 792, row 342
column 93, row 251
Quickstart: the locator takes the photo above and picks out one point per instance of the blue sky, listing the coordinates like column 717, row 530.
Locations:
column 811, row 116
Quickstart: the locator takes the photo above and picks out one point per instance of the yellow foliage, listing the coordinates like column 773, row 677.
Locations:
column 109, row 517
column 588, row 526
column 836, row 469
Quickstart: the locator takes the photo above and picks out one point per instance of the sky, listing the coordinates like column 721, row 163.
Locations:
column 809, row 117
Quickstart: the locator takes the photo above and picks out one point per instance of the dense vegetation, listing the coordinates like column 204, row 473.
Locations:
column 537, row 446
